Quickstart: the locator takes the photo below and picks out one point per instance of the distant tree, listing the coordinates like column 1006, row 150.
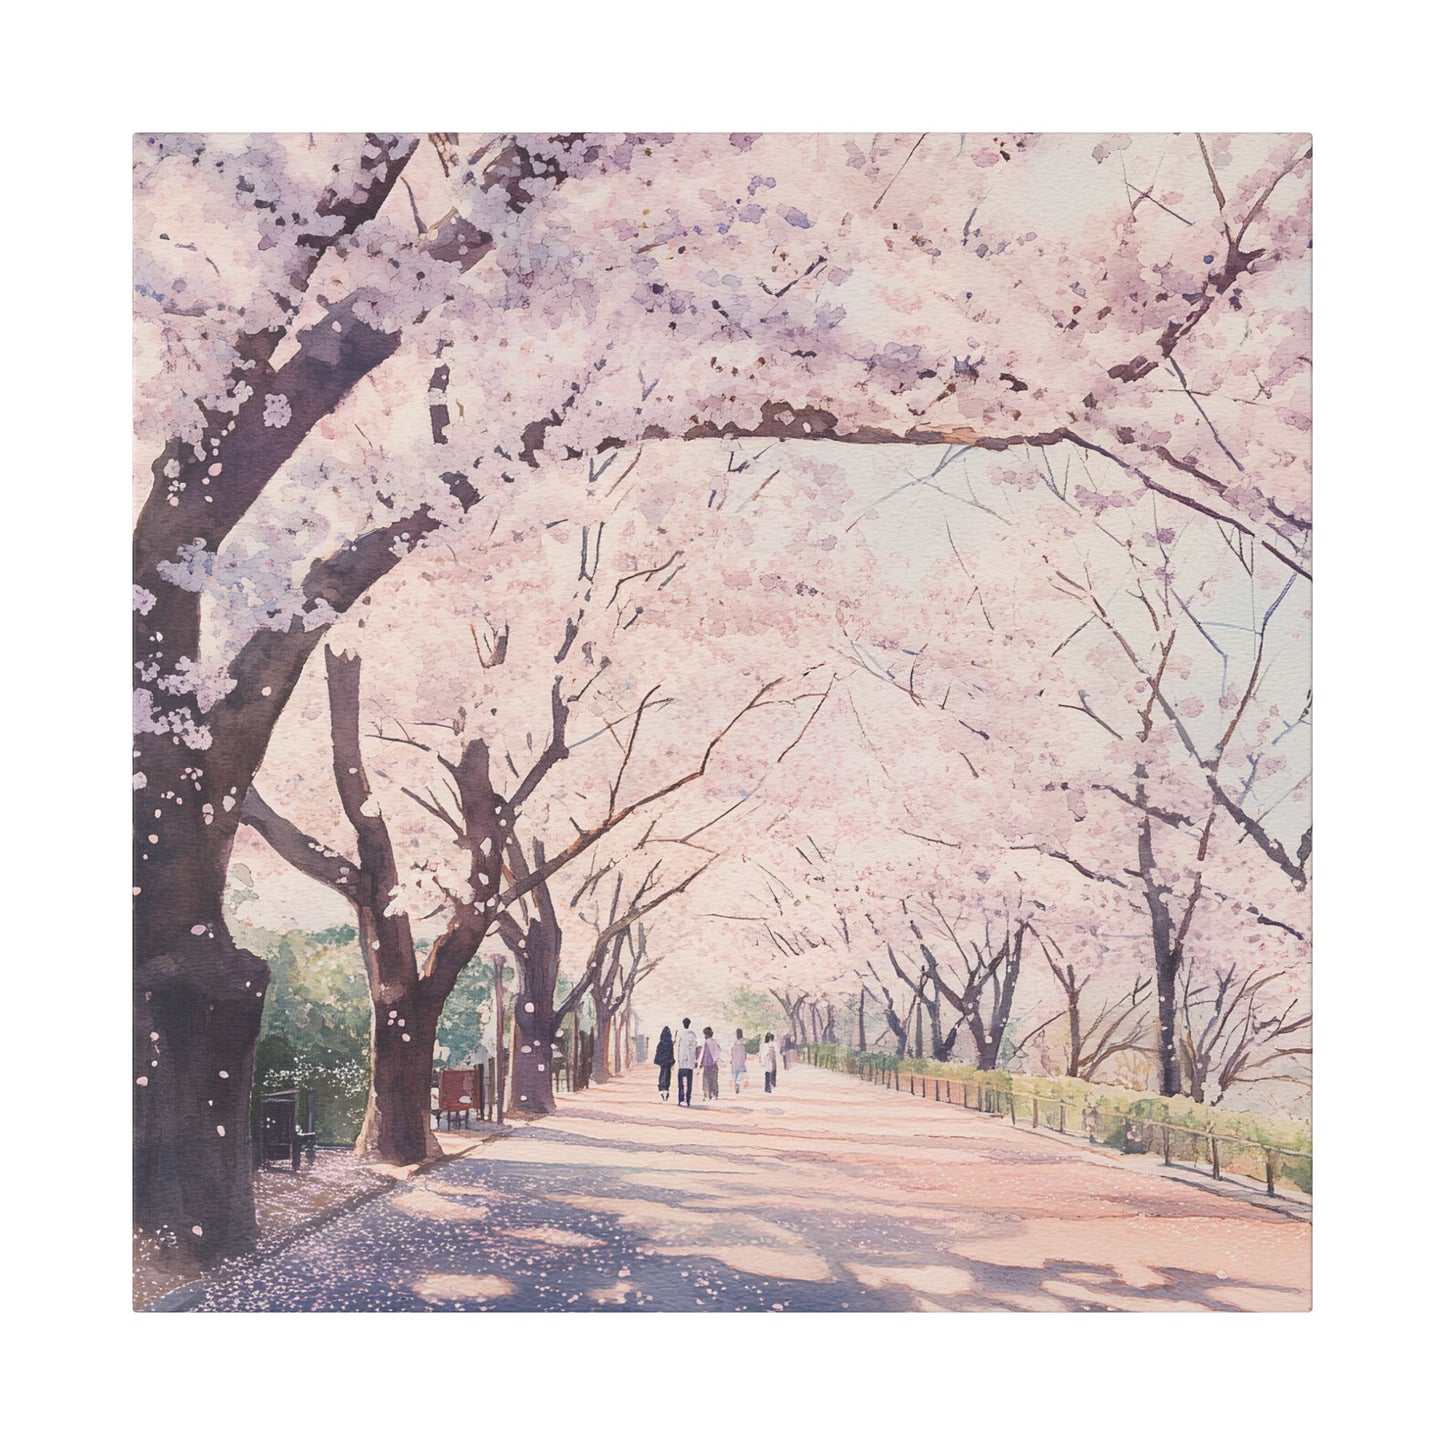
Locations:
column 1234, row 1028
column 1097, row 1031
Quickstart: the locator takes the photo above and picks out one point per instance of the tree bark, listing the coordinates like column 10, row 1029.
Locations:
column 898, row 1026
column 196, row 1012
column 601, row 1052
column 1072, row 991
column 538, row 953
column 188, row 793
column 990, row 1040
column 397, row 1127
column 605, row 964
column 197, row 1016
column 1167, row 936
column 940, row 1045
column 987, row 1033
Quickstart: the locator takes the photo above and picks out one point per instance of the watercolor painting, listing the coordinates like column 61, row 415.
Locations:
column 722, row 722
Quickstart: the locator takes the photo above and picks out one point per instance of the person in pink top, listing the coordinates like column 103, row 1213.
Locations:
column 739, row 1062
column 711, row 1056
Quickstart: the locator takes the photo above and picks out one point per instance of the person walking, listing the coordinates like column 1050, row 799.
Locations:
column 785, row 1047
column 739, row 1062
column 686, row 1063
column 768, row 1058
column 664, row 1058
column 710, row 1058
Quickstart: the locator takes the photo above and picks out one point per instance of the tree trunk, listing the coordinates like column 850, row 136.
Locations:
column 988, row 1035
column 602, row 1044
column 897, row 1026
column 538, row 953
column 532, row 1063
column 197, row 997
column 1076, row 1030
column 988, row 1042
column 196, row 1019
column 1168, row 941
column 397, row 1126
column 196, row 1012
column 939, row 1044
column 795, row 1024
column 862, row 1023
column 984, row 1046
column 1166, row 981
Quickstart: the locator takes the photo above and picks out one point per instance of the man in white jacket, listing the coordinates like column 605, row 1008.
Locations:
column 686, row 1063
column 768, row 1058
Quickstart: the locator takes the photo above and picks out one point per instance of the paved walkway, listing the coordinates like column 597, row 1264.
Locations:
column 828, row 1195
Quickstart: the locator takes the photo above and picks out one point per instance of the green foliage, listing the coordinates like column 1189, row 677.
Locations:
column 1299, row 1172
column 457, row 1032
column 316, row 1025
column 1007, row 1047
column 1125, row 1119
column 754, row 1012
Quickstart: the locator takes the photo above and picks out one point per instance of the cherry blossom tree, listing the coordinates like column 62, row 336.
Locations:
column 1235, row 1026
column 536, row 942
column 611, row 976
column 354, row 348
column 481, row 812
column 1103, row 1018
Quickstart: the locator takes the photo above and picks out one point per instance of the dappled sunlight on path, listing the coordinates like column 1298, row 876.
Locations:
column 828, row 1195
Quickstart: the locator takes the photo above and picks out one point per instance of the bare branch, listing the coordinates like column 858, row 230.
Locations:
column 811, row 716
column 555, row 752
column 316, row 860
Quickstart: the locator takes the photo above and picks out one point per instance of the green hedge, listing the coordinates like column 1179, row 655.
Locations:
column 1122, row 1111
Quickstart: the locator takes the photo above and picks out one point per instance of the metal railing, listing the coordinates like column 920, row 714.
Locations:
column 1180, row 1145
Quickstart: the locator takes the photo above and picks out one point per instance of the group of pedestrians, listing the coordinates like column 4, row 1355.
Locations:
column 688, row 1055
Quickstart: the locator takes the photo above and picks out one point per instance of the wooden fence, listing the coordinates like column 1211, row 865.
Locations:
column 1220, row 1154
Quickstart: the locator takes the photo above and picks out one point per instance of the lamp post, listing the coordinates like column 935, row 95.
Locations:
column 483, row 1019
column 499, row 999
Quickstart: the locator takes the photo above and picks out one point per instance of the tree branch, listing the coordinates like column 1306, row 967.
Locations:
column 303, row 852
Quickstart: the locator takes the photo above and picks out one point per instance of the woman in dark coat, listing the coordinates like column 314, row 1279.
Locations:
column 664, row 1058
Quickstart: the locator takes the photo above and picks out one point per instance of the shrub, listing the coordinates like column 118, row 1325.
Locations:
column 1125, row 1120
column 315, row 1027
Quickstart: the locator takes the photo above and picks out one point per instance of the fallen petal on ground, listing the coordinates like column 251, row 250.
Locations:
column 439, row 1288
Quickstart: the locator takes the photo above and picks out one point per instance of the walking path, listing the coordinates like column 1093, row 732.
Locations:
column 828, row 1195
